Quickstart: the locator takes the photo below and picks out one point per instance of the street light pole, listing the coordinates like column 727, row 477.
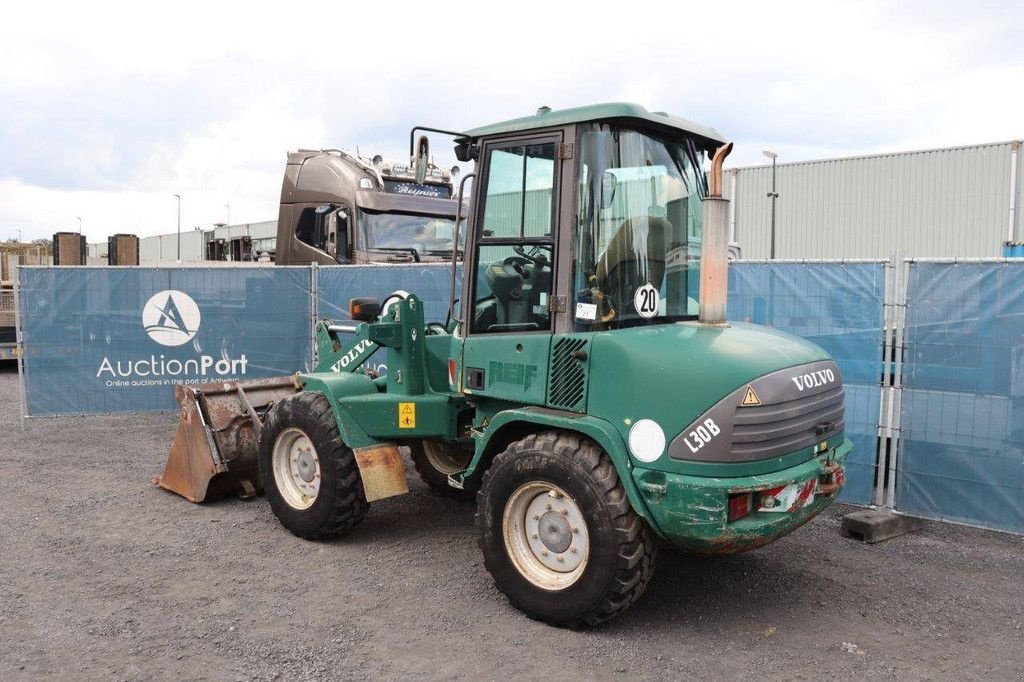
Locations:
column 773, row 195
column 79, row 219
column 178, row 197
column 228, row 220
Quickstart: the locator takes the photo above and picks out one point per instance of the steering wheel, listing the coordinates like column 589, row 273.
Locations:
column 517, row 263
column 535, row 255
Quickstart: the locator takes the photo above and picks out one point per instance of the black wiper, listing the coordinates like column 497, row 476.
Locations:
column 399, row 249
column 445, row 252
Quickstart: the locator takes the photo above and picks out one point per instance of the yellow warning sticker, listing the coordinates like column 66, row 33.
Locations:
column 750, row 398
column 407, row 415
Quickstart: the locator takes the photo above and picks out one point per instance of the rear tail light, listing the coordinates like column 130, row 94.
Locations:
column 740, row 505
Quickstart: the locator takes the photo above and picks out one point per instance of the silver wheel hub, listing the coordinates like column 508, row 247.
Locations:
column 546, row 536
column 554, row 532
column 306, row 466
column 296, row 468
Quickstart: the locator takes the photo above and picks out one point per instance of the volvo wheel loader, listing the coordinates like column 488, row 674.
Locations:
column 587, row 389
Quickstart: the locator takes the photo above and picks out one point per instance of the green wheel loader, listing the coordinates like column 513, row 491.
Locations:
column 586, row 389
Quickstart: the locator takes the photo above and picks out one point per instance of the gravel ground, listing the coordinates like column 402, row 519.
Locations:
column 102, row 575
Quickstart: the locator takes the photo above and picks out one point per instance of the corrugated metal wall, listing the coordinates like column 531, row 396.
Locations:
column 938, row 203
column 261, row 230
column 164, row 247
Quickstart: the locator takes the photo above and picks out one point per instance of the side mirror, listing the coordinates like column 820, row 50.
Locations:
column 341, row 252
column 608, row 184
column 464, row 152
column 364, row 309
column 422, row 158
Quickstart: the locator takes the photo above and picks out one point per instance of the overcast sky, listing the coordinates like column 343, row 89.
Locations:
column 107, row 110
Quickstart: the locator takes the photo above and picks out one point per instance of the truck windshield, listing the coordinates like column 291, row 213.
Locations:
column 424, row 234
column 638, row 245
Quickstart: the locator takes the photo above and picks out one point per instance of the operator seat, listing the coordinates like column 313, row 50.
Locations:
column 634, row 256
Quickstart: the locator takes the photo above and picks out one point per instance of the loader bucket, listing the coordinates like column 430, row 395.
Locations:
column 216, row 444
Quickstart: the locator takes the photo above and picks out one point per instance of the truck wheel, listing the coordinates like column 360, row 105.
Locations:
column 435, row 460
column 309, row 474
column 558, row 534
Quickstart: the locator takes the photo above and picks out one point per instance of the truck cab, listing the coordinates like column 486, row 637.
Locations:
column 338, row 207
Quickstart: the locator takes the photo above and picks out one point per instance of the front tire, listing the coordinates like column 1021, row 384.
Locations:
column 558, row 533
column 310, row 476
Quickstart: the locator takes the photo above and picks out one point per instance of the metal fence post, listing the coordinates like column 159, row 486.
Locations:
column 19, row 348
column 896, row 402
column 884, row 446
column 314, row 308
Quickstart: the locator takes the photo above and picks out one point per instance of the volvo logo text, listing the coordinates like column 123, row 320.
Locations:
column 814, row 379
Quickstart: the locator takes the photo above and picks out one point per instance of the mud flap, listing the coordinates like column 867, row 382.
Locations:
column 383, row 471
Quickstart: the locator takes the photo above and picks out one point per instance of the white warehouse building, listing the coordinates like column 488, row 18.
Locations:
column 960, row 202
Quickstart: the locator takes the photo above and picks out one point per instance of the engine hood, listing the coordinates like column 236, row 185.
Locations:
column 676, row 374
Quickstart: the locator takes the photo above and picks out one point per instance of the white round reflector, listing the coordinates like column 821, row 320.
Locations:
column 646, row 440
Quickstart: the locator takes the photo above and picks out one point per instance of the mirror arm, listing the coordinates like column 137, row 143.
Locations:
column 455, row 249
column 412, row 136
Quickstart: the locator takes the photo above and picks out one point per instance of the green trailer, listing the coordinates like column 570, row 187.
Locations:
column 586, row 389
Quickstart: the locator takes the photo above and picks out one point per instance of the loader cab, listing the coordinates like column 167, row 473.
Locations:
column 583, row 221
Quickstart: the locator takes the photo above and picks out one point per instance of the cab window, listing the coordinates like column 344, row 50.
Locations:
column 515, row 248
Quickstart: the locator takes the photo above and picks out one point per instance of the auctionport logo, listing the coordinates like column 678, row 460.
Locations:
column 171, row 318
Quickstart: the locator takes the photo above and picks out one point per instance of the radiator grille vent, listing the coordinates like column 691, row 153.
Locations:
column 568, row 375
column 772, row 430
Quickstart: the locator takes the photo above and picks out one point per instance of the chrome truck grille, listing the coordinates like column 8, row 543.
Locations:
column 773, row 415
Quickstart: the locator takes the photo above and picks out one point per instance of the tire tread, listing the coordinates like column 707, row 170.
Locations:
column 348, row 501
column 634, row 561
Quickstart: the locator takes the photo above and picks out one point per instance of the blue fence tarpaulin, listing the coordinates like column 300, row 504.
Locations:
column 961, row 425
column 840, row 307
column 107, row 340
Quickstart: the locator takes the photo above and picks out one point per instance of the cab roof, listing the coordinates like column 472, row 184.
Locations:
column 625, row 111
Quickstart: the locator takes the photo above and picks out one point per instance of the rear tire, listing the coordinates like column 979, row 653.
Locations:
column 558, row 533
column 310, row 476
column 436, row 460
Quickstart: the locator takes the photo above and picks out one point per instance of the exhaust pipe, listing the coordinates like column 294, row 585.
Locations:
column 714, row 245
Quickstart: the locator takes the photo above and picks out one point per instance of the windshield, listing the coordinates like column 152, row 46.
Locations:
column 423, row 235
column 638, row 246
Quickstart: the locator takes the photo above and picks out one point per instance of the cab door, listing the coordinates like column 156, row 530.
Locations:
column 512, row 265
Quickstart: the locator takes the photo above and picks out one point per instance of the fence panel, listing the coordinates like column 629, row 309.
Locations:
column 961, row 454
column 103, row 340
column 840, row 307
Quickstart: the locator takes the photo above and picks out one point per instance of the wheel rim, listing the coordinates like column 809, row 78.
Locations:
column 446, row 459
column 296, row 468
column 546, row 536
